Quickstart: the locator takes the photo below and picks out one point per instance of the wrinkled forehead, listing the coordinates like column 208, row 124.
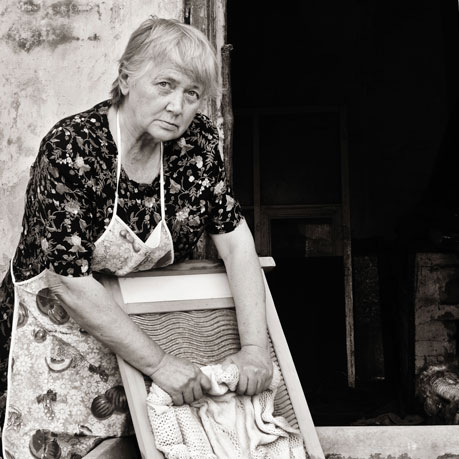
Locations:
column 196, row 67
column 177, row 73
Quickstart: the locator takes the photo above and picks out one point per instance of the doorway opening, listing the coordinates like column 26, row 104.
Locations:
column 287, row 169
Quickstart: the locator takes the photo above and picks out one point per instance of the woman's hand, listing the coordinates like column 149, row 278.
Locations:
column 255, row 369
column 181, row 379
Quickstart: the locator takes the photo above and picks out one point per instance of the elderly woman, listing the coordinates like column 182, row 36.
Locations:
column 127, row 185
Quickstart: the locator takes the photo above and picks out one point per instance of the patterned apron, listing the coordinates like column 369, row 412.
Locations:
column 64, row 387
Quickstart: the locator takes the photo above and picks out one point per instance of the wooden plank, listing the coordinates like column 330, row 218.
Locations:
column 267, row 263
column 303, row 211
column 347, row 252
column 176, row 287
column 188, row 267
column 257, row 223
column 172, row 306
column 292, row 381
column 227, row 111
column 136, row 392
column 196, row 267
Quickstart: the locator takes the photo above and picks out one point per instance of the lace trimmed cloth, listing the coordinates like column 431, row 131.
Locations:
column 223, row 424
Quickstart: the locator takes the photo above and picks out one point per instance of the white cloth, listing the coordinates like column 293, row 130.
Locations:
column 223, row 425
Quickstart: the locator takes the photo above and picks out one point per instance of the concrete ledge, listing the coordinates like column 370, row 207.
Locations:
column 390, row 442
column 366, row 442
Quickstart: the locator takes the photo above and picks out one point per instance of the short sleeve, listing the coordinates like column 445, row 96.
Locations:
column 225, row 210
column 60, row 205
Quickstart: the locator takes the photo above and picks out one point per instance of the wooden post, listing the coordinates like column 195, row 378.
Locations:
column 257, row 224
column 226, row 110
column 347, row 253
column 209, row 16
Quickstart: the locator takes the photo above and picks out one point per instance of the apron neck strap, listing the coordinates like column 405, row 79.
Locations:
column 161, row 184
column 11, row 271
column 118, row 161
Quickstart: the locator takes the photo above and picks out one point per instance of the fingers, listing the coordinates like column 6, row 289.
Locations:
column 204, row 382
column 260, row 386
column 252, row 386
column 182, row 380
column 252, row 381
column 265, row 382
column 241, row 387
column 177, row 399
column 197, row 392
column 188, row 396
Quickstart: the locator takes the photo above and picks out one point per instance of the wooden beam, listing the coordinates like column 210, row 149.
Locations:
column 226, row 110
column 257, row 223
column 347, row 252
column 209, row 16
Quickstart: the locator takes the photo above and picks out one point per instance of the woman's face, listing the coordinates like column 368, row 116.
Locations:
column 162, row 102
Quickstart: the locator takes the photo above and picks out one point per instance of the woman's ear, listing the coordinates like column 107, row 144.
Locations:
column 123, row 79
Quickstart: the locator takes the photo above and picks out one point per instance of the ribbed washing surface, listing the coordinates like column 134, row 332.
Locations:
column 205, row 337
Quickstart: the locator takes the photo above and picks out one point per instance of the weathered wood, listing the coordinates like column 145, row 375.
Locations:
column 135, row 384
column 179, row 305
column 312, row 211
column 434, row 322
column 257, row 223
column 135, row 390
column 226, row 110
column 179, row 287
column 190, row 266
column 209, row 16
column 347, row 252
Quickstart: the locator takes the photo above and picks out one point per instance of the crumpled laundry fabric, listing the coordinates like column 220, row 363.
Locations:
column 223, row 424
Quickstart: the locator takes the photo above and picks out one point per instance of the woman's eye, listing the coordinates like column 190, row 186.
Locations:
column 193, row 94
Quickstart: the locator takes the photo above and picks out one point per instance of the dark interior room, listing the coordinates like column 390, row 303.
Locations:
column 348, row 110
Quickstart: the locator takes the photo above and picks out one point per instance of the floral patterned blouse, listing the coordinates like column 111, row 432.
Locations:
column 71, row 191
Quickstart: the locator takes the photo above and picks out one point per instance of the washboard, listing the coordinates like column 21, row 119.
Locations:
column 189, row 311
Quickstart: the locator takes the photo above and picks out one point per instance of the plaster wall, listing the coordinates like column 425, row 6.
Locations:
column 56, row 58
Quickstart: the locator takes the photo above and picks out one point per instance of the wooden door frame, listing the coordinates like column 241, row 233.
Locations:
column 264, row 214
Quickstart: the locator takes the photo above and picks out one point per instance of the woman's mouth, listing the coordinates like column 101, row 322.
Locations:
column 167, row 125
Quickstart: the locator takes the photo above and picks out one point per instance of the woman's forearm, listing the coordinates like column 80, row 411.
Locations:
column 246, row 281
column 94, row 309
column 249, row 297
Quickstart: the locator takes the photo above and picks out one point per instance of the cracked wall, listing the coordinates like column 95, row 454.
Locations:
column 56, row 58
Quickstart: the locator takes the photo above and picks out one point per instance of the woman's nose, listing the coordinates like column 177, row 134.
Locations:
column 175, row 102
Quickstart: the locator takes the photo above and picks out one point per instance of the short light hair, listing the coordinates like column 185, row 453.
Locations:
column 159, row 40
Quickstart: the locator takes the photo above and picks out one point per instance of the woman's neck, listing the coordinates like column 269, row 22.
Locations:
column 140, row 154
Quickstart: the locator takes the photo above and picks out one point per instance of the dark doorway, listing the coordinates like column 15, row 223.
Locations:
column 389, row 65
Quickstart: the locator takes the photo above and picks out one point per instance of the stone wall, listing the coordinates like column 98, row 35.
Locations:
column 56, row 58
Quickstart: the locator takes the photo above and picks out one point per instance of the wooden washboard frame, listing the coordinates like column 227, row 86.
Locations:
column 207, row 295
